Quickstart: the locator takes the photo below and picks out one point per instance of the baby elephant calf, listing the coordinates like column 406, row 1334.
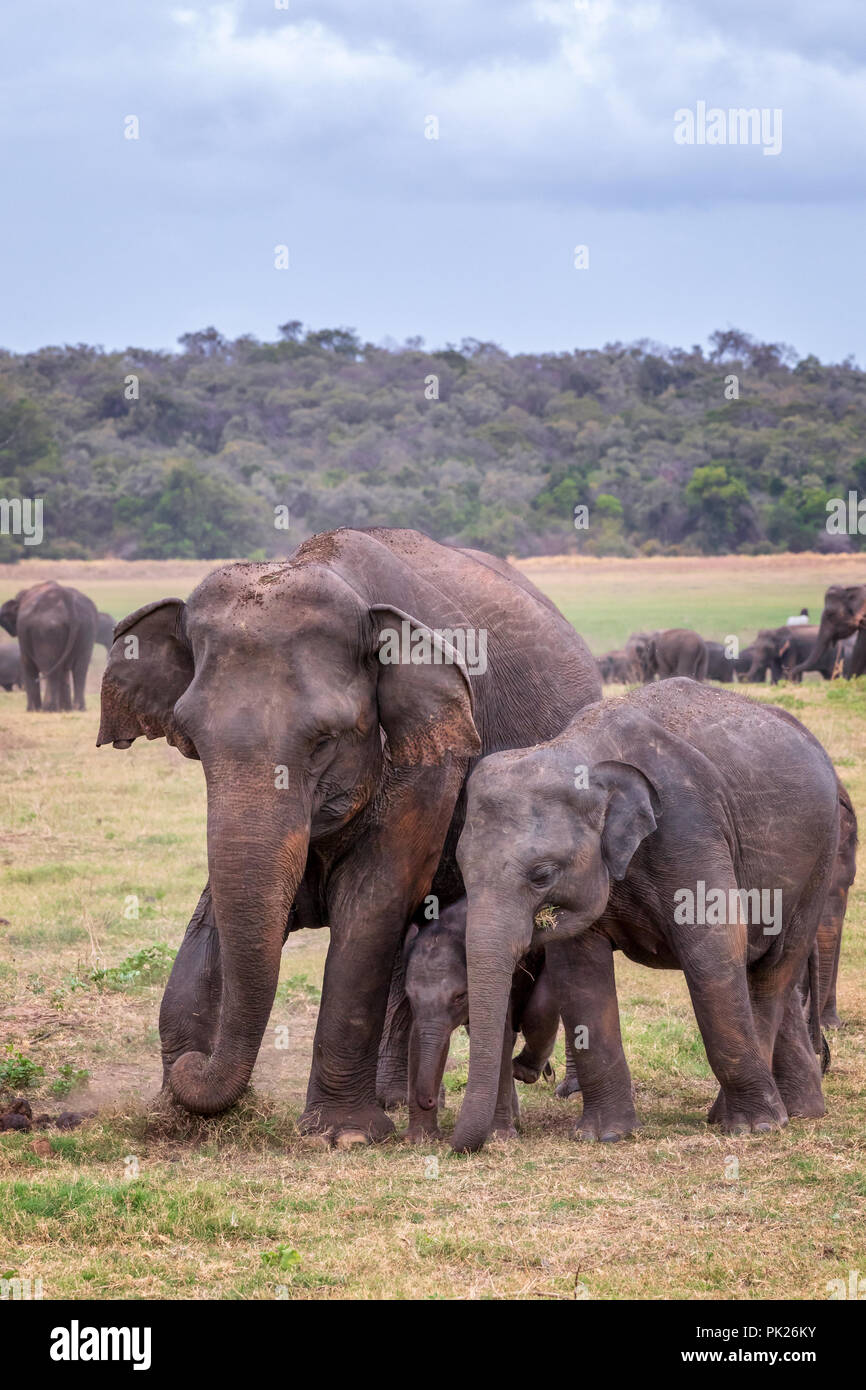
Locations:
column 436, row 984
column 689, row 828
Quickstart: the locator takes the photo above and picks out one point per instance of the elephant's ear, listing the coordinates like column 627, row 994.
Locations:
column 632, row 808
column 424, row 691
column 9, row 615
column 149, row 667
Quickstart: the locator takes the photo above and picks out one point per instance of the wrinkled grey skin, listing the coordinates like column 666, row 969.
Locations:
column 10, row 666
column 56, row 627
column 844, row 616
column 675, row 652
column 437, row 989
column 686, row 783
column 334, row 780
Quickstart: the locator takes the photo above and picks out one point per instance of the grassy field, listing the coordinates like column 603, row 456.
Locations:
column 102, row 857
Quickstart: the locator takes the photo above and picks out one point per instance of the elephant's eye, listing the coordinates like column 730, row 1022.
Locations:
column 542, row 875
column 322, row 742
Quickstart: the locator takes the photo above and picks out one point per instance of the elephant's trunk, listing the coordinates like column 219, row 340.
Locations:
column 492, row 950
column 431, row 1042
column 256, row 861
column 818, row 652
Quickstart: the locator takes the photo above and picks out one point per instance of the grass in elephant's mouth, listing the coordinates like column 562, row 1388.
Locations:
column 102, row 856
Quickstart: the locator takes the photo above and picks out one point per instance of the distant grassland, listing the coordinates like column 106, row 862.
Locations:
column 606, row 599
column 143, row 1203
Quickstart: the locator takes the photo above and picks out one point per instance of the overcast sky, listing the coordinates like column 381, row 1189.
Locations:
column 305, row 127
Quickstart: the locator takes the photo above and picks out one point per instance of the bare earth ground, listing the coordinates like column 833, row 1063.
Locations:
column 143, row 1203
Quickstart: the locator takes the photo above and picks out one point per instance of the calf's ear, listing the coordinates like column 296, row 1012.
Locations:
column 633, row 806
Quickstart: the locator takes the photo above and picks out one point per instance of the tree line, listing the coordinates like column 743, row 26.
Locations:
column 153, row 454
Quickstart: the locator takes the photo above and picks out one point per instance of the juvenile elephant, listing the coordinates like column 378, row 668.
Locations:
column 105, row 630
column 10, row 665
column 437, row 987
column 335, row 701
column 782, row 650
column 656, row 824
column 829, row 939
column 675, row 652
column 636, row 650
column 844, row 616
column 56, row 628
column 617, row 668
column 720, row 666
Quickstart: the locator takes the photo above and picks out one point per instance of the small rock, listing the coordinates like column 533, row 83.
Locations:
column 42, row 1147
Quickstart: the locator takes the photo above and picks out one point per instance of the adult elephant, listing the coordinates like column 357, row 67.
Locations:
column 10, row 666
column 336, row 701
column 676, row 652
column 844, row 616
column 56, row 627
column 781, row 650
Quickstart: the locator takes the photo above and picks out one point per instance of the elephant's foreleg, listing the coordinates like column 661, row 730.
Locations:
column 80, row 667
column 583, row 976
column 371, row 895
column 190, row 1007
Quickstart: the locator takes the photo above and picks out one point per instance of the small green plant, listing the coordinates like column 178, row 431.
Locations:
column 69, row 1078
column 17, row 1071
column 284, row 1257
column 149, row 966
column 299, row 987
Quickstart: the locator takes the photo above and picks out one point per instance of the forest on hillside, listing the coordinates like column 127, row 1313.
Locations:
column 197, row 453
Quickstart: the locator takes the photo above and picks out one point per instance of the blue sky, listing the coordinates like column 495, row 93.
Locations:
column 306, row 127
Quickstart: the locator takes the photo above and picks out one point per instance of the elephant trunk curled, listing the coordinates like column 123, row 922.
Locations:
column 254, row 877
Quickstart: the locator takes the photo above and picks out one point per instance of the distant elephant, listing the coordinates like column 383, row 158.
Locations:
column 743, row 666
column 702, row 836
column 10, row 666
column 636, row 649
column 844, row 616
column 105, row 630
column 437, row 988
column 720, row 666
column 675, row 652
column 56, row 627
column 335, row 701
column 617, row 669
column 781, row 650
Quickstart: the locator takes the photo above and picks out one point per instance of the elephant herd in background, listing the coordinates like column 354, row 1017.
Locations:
column 56, row 627
column 479, row 838
column 834, row 648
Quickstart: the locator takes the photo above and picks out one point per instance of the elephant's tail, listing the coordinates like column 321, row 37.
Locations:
column 74, row 625
column 818, row 1042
